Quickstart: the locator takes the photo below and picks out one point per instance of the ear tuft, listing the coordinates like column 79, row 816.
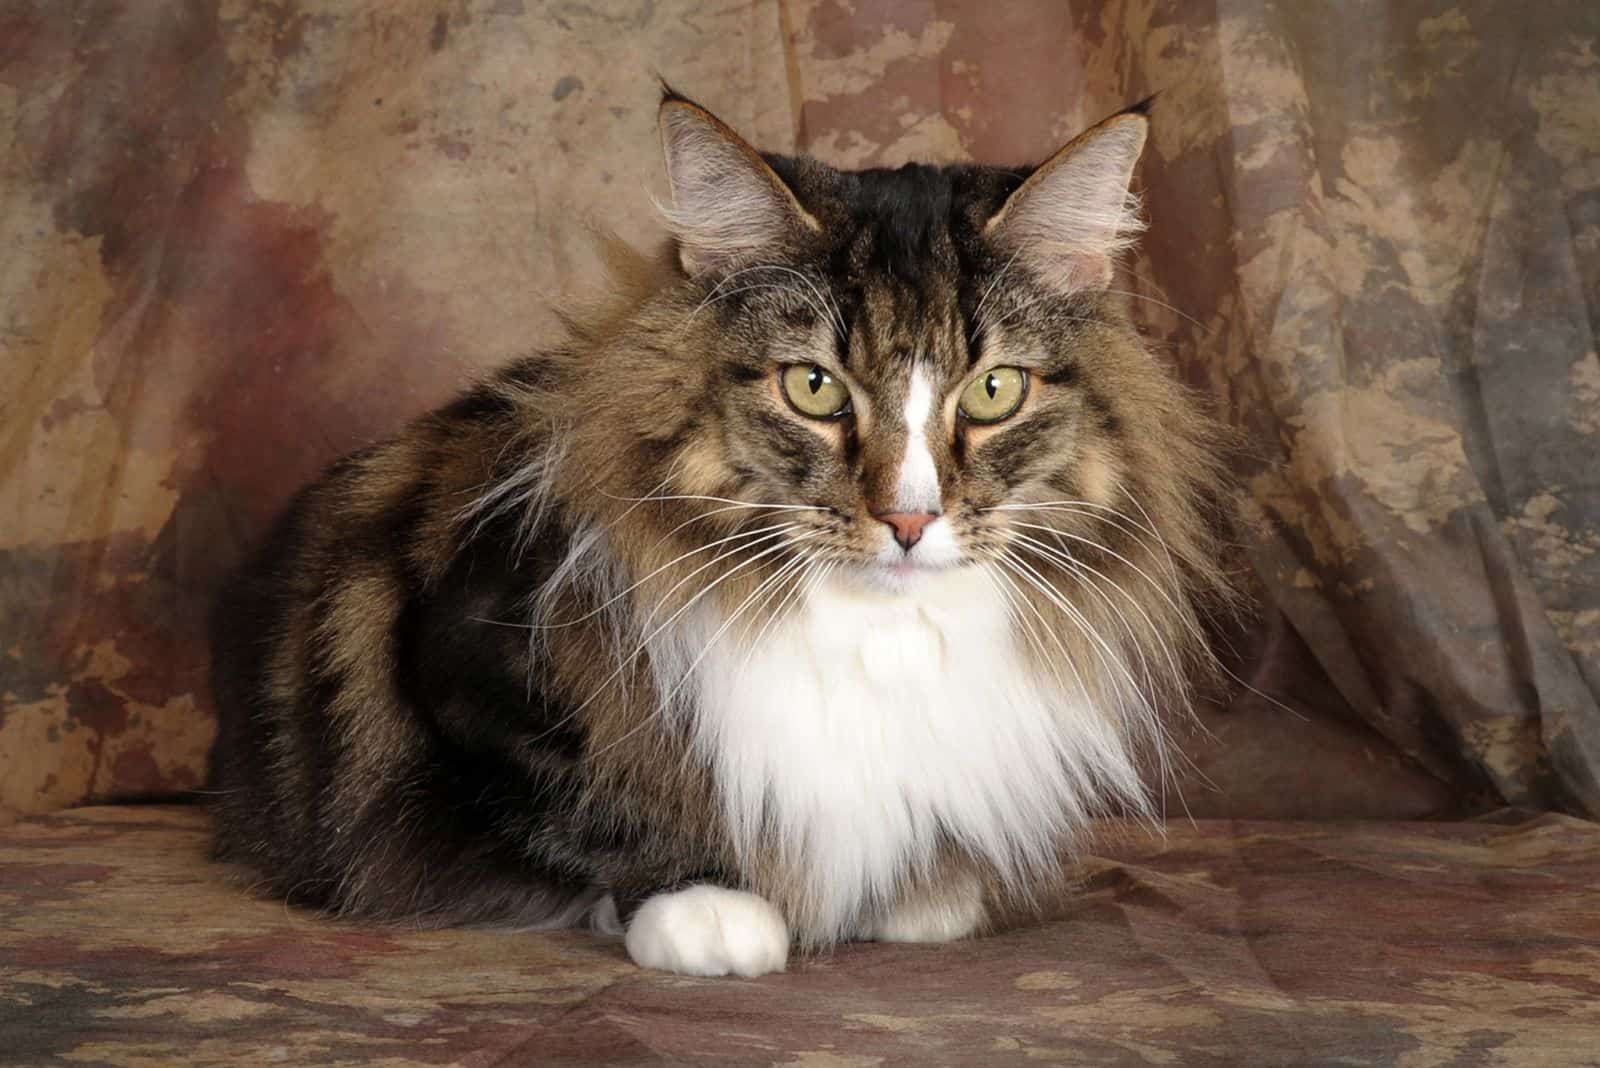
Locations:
column 727, row 204
column 1074, row 214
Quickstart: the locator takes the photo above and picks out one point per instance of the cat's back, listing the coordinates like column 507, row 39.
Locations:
column 306, row 637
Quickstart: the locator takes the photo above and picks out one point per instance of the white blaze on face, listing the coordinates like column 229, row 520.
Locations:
column 918, row 488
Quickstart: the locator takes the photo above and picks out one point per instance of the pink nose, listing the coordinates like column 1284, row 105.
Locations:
column 908, row 525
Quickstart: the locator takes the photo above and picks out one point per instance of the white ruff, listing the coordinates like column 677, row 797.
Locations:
column 866, row 723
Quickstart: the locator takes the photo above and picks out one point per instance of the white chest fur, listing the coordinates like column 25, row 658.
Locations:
column 865, row 724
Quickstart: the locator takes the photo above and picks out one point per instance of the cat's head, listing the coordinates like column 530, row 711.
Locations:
column 887, row 374
column 900, row 358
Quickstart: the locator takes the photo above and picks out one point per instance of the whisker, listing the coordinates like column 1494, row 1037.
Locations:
column 822, row 295
column 812, row 562
column 699, row 595
column 623, row 662
column 755, row 287
column 979, row 325
column 733, row 617
column 1187, row 617
column 755, row 537
column 1150, row 525
column 1015, row 600
column 1151, row 722
column 792, row 569
column 778, row 534
column 819, row 299
column 1162, row 304
column 1121, row 520
column 1085, row 575
column 1107, row 656
column 1006, row 560
column 1065, row 559
column 719, row 500
column 663, row 702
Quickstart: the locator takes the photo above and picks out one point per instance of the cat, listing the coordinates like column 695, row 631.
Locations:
column 824, row 585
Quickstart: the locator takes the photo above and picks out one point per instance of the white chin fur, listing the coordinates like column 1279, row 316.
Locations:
column 708, row 930
column 870, row 726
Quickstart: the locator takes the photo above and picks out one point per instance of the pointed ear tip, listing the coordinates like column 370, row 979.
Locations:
column 674, row 103
column 671, row 105
column 1130, row 121
column 678, row 117
column 1129, row 128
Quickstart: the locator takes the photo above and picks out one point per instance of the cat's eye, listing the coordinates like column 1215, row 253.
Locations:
column 814, row 392
column 994, row 395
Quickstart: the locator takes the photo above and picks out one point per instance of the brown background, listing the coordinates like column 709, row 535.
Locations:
column 242, row 238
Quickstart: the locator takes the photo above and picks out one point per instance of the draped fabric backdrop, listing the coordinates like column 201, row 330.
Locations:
column 242, row 238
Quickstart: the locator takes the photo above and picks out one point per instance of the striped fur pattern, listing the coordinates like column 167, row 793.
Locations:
column 622, row 634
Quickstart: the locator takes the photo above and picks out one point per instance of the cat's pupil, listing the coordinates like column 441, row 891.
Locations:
column 815, row 379
column 991, row 385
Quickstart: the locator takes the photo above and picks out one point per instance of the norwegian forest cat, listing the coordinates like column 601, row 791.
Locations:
column 825, row 585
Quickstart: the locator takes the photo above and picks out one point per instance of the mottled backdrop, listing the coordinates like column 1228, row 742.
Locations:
column 240, row 238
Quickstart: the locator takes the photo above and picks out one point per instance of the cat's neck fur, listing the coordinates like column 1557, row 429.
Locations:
column 866, row 732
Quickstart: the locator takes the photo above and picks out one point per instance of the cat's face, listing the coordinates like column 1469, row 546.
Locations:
column 905, row 357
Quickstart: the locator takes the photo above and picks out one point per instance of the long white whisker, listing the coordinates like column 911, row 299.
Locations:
column 838, row 316
column 733, row 617
column 1088, row 572
column 1164, row 769
column 624, row 661
column 1185, row 616
column 1163, row 766
column 819, row 300
column 792, row 570
column 1161, row 304
column 812, row 562
column 662, row 702
column 979, row 326
column 1005, row 559
column 1011, row 562
column 754, row 287
column 1034, row 303
column 771, row 531
column 1107, row 655
column 699, row 595
column 719, row 500
column 1118, row 519
column 1150, row 525
column 1016, row 601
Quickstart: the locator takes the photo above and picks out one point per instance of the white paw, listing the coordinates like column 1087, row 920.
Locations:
column 708, row 930
column 955, row 913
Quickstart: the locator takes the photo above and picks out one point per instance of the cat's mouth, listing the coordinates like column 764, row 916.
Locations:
column 906, row 572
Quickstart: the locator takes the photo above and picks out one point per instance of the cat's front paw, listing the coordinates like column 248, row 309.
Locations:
column 709, row 930
column 942, row 914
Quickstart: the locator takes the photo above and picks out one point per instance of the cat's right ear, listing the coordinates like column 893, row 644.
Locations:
column 1075, row 212
column 728, row 206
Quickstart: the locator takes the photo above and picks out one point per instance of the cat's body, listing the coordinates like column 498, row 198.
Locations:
column 743, row 618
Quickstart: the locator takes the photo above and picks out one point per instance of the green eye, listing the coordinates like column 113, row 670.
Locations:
column 814, row 392
column 994, row 395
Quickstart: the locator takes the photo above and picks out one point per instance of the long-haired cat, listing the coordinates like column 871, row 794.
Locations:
column 823, row 587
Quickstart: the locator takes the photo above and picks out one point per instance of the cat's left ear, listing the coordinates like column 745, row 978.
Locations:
column 728, row 205
column 1075, row 212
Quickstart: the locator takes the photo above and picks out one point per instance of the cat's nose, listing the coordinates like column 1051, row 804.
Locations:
column 907, row 525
